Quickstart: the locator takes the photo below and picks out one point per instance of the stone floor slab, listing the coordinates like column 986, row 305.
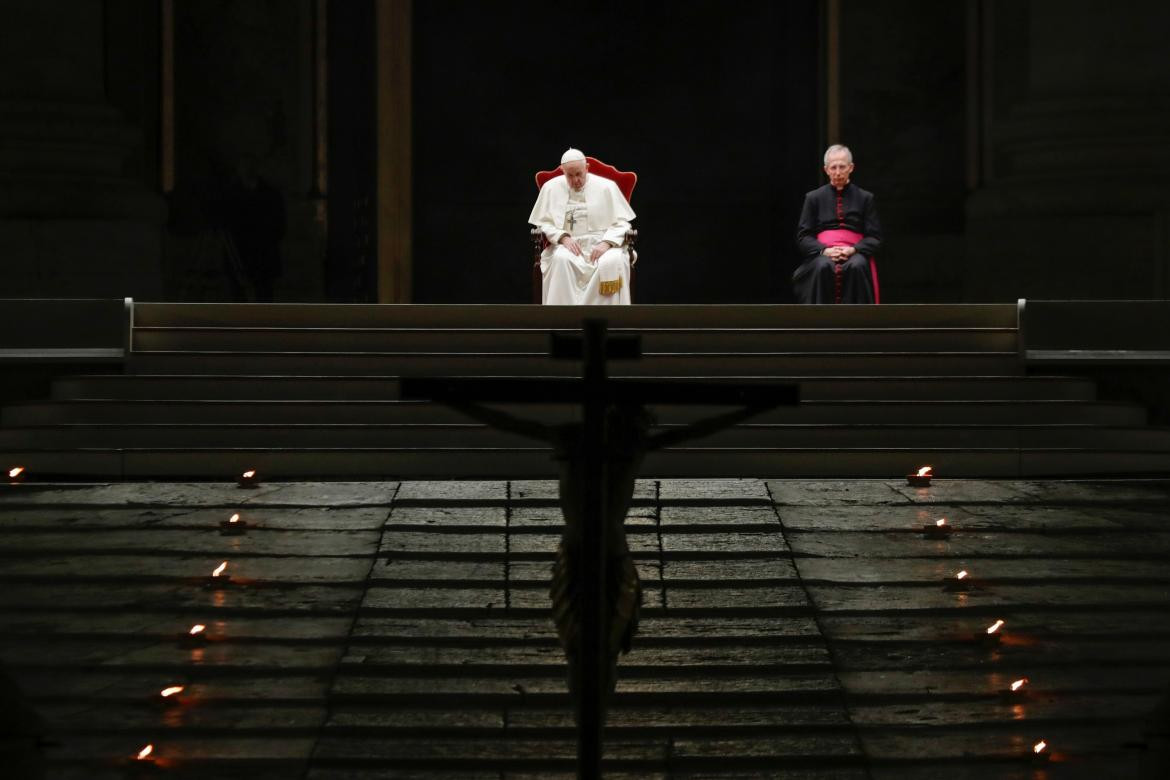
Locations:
column 724, row 542
column 440, row 491
column 987, row 573
column 723, row 490
column 419, row 619
column 447, row 516
column 336, row 495
column 720, row 516
column 822, row 492
column 455, row 544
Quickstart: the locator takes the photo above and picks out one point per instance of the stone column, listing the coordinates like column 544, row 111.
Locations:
column 1075, row 204
column 71, row 224
column 395, row 192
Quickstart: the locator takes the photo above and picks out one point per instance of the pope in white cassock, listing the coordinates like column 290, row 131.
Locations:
column 585, row 219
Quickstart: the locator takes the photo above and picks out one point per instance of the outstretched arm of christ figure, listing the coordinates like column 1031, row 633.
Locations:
column 548, row 433
column 702, row 428
column 505, row 421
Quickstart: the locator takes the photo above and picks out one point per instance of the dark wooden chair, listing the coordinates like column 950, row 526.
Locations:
column 625, row 180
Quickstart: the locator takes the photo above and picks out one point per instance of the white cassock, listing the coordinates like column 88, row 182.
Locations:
column 598, row 212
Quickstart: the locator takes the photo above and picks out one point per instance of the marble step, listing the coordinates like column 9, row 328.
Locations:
column 536, row 463
column 212, row 412
column 492, row 339
column 693, row 364
column 360, row 436
column 314, row 386
column 527, row 316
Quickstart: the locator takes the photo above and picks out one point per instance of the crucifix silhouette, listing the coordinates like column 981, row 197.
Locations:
column 595, row 590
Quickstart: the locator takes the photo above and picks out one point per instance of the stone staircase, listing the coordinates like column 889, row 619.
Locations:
column 310, row 390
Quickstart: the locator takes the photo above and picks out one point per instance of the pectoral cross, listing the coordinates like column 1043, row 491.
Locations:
column 572, row 220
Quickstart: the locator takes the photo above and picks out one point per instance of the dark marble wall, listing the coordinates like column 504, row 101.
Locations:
column 1073, row 203
column 75, row 220
column 243, row 95
column 717, row 106
column 903, row 110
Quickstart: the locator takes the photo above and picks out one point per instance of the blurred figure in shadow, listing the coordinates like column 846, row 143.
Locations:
column 252, row 216
column 22, row 734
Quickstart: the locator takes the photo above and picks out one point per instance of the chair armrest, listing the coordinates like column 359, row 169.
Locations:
column 631, row 239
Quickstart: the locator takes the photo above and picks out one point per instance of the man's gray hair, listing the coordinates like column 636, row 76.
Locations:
column 836, row 148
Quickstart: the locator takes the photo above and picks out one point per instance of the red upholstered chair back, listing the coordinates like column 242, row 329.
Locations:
column 625, row 180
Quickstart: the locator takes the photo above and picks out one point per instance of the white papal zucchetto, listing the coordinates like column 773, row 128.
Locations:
column 572, row 155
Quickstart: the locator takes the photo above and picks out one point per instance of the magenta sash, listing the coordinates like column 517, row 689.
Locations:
column 839, row 237
column 842, row 237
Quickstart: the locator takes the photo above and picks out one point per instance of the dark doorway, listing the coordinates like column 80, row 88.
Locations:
column 713, row 104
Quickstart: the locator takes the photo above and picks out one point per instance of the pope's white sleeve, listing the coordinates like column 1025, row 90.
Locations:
column 541, row 217
column 616, row 233
column 554, row 235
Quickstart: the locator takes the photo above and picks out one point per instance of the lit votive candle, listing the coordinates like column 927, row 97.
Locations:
column 993, row 633
column 939, row 529
column 921, row 478
column 233, row 526
column 218, row 578
column 249, row 479
column 170, row 695
column 960, row 581
column 16, row 474
column 196, row 636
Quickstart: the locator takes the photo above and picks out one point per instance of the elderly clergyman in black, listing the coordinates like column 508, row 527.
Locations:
column 838, row 234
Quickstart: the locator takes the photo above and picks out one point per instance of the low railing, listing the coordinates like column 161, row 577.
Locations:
column 67, row 331
column 1094, row 333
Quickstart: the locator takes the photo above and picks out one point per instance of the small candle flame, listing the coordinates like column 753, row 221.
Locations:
column 234, row 519
column 961, row 575
column 924, row 471
column 15, row 472
column 219, row 569
column 166, row 693
column 1039, row 747
column 996, row 626
column 941, row 522
column 197, row 629
column 146, row 751
column 1020, row 683
column 249, row 473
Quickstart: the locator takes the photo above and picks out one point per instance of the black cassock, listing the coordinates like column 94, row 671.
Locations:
column 825, row 208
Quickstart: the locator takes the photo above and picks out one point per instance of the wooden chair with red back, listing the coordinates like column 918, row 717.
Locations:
column 625, row 180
